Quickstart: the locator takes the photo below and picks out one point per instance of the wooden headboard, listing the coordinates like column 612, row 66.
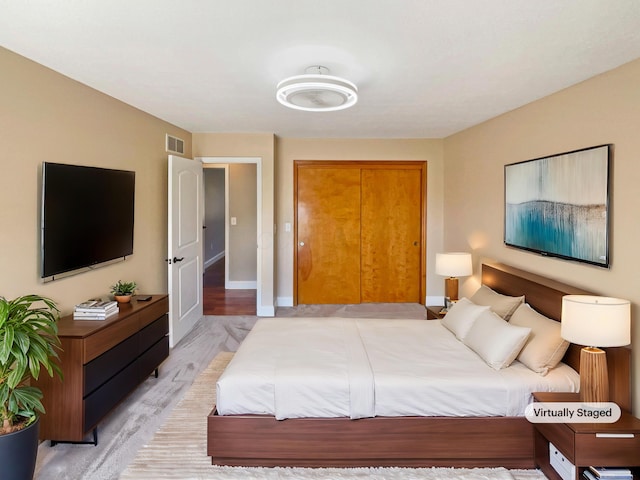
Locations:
column 545, row 296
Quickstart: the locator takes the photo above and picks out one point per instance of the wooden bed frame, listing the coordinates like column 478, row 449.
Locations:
column 255, row 440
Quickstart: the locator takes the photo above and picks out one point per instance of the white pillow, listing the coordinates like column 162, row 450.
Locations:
column 545, row 347
column 461, row 316
column 503, row 305
column 496, row 341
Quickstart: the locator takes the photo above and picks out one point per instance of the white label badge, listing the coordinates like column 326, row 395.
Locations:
column 572, row 412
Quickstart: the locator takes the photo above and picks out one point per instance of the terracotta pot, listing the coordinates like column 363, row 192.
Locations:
column 122, row 298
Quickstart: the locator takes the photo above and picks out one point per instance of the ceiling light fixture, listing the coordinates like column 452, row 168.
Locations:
column 316, row 91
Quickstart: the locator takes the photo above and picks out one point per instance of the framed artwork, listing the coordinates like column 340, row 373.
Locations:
column 559, row 205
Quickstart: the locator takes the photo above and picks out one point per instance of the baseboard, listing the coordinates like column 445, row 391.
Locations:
column 266, row 311
column 284, row 301
column 213, row 259
column 241, row 285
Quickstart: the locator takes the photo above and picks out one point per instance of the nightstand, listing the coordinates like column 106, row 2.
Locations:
column 433, row 312
column 584, row 444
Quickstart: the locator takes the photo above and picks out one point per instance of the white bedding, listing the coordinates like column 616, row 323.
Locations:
column 339, row 367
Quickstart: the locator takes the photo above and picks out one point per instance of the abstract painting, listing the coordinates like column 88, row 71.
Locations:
column 558, row 205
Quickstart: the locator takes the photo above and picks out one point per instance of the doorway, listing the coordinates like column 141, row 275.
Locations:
column 232, row 202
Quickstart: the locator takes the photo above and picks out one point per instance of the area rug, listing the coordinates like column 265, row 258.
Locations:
column 178, row 450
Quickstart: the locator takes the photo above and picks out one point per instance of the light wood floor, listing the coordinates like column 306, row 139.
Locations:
column 219, row 301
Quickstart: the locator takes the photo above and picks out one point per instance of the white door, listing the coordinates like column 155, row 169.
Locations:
column 186, row 214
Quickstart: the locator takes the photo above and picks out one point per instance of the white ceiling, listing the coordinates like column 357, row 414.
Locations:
column 424, row 68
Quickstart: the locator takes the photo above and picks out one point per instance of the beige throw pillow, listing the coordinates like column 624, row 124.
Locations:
column 503, row 305
column 461, row 316
column 545, row 347
column 497, row 342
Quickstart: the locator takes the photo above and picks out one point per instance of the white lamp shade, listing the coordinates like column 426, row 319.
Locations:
column 454, row 264
column 596, row 321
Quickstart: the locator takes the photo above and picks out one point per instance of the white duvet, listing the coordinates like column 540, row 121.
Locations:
column 357, row 368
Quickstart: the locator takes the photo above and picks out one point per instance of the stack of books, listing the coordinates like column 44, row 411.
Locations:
column 607, row 473
column 95, row 310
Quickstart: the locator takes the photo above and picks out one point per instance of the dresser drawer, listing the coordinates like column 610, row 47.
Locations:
column 101, row 401
column 107, row 338
column 101, row 369
column 154, row 311
column 153, row 332
column 153, row 357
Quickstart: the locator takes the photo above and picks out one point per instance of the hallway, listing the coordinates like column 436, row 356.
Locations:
column 219, row 301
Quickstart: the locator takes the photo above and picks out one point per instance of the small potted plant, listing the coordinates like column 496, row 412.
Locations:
column 122, row 291
column 28, row 343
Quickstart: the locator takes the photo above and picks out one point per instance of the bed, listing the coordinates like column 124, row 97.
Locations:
column 267, row 436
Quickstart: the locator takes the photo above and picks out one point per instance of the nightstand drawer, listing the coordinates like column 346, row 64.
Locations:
column 592, row 449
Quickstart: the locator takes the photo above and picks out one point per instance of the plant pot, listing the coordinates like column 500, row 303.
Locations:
column 18, row 451
column 122, row 298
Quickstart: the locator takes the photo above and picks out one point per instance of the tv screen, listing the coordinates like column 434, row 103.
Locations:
column 558, row 205
column 87, row 216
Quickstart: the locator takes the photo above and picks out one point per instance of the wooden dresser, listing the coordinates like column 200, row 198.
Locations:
column 102, row 362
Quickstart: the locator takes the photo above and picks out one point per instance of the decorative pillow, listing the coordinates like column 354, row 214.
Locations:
column 461, row 316
column 503, row 305
column 545, row 347
column 496, row 341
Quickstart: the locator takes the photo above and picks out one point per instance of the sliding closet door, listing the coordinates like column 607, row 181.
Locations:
column 328, row 235
column 391, row 232
column 360, row 232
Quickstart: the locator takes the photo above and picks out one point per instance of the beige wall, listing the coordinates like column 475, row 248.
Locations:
column 46, row 116
column 604, row 109
column 261, row 146
column 214, row 210
column 242, row 236
column 290, row 149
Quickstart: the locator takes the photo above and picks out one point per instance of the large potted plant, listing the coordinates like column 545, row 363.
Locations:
column 28, row 343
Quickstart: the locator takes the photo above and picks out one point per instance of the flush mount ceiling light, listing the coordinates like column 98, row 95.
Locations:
column 316, row 91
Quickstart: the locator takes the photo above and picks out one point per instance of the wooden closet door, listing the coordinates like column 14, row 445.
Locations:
column 328, row 235
column 391, row 219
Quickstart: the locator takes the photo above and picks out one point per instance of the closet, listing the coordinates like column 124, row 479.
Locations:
column 359, row 231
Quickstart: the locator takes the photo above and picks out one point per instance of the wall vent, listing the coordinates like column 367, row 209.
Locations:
column 175, row 144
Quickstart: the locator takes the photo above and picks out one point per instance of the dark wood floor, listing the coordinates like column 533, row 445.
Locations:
column 218, row 301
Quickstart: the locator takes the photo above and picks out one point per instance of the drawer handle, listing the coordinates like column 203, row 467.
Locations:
column 615, row 435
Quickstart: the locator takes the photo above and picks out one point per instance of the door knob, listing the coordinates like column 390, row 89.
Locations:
column 301, row 244
column 176, row 259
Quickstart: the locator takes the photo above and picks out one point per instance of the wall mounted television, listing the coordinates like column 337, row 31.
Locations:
column 87, row 216
column 559, row 205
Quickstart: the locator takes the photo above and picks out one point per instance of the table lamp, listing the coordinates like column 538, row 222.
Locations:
column 595, row 322
column 453, row 265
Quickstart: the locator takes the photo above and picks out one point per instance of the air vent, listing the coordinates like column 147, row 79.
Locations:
column 175, row 144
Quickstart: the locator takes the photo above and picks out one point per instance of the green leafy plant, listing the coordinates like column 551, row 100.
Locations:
column 28, row 342
column 123, row 288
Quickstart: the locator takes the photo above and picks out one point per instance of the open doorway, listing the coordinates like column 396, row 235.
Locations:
column 230, row 256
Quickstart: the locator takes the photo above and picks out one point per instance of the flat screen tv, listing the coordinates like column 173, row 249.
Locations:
column 86, row 218
column 559, row 205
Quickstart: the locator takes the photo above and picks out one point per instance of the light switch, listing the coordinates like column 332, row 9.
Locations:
column 234, row 220
column 287, row 227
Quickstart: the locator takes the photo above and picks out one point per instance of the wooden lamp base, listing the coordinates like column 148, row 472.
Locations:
column 594, row 379
column 451, row 288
